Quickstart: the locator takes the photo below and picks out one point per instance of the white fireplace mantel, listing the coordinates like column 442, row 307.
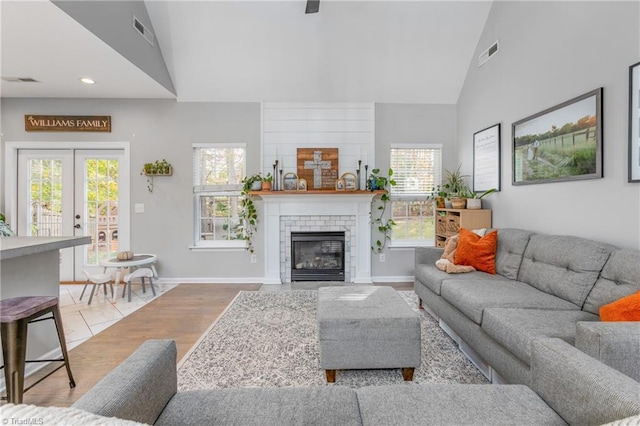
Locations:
column 278, row 204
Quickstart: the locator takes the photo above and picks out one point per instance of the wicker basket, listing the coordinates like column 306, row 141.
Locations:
column 453, row 224
column 458, row 203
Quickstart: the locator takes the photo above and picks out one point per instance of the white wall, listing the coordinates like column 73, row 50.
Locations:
column 551, row 52
column 350, row 127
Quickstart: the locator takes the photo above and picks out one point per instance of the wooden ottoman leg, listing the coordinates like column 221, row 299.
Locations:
column 407, row 374
column 331, row 376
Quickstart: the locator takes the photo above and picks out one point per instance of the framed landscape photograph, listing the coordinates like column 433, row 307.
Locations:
column 561, row 143
column 634, row 123
column 486, row 159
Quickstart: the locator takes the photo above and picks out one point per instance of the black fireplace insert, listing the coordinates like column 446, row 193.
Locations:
column 317, row 256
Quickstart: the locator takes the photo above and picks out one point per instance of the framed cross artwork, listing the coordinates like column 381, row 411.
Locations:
column 318, row 166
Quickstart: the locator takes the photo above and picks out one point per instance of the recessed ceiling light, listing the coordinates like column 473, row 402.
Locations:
column 87, row 80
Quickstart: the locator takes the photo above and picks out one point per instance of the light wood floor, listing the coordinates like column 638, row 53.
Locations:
column 181, row 314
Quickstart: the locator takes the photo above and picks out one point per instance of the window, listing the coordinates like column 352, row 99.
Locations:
column 218, row 170
column 417, row 171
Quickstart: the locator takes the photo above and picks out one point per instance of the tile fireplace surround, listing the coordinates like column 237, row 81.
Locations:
column 285, row 212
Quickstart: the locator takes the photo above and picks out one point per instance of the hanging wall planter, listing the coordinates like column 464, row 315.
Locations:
column 157, row 168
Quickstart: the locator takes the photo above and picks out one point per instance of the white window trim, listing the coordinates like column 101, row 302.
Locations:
column 215, row 245
column 404, row 244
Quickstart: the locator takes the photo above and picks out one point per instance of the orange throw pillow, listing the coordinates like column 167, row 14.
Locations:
column 476, row 251
column 625, row 309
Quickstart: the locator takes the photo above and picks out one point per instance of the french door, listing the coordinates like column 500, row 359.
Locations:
column 64, row 192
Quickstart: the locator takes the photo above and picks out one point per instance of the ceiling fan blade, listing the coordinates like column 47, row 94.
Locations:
column 313, row 6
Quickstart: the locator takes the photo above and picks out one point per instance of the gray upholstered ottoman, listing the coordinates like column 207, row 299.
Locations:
column 366, row 327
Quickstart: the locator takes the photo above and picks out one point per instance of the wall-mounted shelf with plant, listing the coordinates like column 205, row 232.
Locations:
column 157, row 168
column 385, row 225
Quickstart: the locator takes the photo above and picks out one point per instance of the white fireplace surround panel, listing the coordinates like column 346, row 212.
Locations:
column 318, row 223
column 349, row 211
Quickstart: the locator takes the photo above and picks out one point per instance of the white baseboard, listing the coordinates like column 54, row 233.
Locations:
column 213, row 280
column 261, row 280
column 393, row 279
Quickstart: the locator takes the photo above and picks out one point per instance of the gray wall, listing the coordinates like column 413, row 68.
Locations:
column 166, row 129
column 551, row 52
column 156, row 130
column 410, row 123
column 112, row 22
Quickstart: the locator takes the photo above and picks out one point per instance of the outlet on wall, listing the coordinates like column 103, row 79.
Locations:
column 254, row 258
column 382, row 257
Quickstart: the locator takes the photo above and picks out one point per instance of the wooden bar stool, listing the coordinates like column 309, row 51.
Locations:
column 15, row 314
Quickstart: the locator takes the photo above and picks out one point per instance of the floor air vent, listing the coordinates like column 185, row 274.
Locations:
column 144, row 31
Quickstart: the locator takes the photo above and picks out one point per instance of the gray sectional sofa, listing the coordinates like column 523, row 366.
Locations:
column 546, row 286
column 568, row 387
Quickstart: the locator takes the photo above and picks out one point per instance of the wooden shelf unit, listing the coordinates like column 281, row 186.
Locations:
column 449, row 221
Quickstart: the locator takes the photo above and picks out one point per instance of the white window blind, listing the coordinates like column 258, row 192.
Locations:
column 218, row 167
column 416, row 170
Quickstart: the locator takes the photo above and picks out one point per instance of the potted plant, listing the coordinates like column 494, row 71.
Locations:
column 375, row 182
column 439, row 195
column 252, row 183
column 5, row 229
column 266, row 182
column 456, row 188
column 474, row 199
column 249, row 214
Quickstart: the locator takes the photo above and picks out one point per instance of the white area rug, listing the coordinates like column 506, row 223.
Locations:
column 269, row 339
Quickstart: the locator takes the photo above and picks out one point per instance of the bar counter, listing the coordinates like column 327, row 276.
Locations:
column 30, row 266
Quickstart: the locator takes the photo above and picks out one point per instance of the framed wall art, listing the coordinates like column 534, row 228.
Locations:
column 302, row 184
column 486, row 159
column 561, row 143
column 634, row 123
column 319, row 166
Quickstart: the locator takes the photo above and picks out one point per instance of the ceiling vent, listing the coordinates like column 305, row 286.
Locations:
column 20, row 80
column 313, row 6
column 144, row 31
column 487, row 54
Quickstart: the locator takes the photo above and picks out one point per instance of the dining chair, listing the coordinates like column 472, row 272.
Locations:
column 97, row 280
column 141, row 273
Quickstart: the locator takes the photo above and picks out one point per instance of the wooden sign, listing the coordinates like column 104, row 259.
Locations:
column 67, row 123
column 318, row 166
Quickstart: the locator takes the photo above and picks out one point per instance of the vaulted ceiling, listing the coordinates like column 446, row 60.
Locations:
column 381, row 51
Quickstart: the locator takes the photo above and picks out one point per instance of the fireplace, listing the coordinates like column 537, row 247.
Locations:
column 317, row 256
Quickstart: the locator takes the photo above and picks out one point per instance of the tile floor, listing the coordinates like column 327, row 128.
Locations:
column 82, row 321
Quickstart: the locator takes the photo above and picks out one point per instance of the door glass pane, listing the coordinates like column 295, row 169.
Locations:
column 45, row 198
column 101, row 209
